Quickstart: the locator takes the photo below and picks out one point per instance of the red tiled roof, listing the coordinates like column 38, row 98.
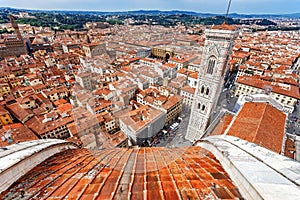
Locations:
column 188, row 89
column 3, row 111
column 289, row 148
column 243, row 67
column 65, row 108
column 173, row 100
column 224, row 26
column 170, row 65
column 19, row 133
column 194, row 75
column 60, row 102
column 40, row 128
column 261, row 124
column 152, row 173
column 178, row 60
column 18, row 112
column 222, row 125
column 291, row 90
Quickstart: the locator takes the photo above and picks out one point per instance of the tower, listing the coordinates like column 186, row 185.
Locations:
column 16, row 27
column 13, row 46
column 217, row 47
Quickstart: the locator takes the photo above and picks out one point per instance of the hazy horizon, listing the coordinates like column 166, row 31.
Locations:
column 199, row 6
column 36, row 9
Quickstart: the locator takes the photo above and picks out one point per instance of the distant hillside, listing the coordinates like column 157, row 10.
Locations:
column 268, row 16
column 155, row 12
column 294, row 15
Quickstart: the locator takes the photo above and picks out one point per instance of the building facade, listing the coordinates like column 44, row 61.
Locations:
column 141, row 123
column 284, row 94
column 188, row 93
column 13, row 46
column 5, row 117
column 84, row 79
column 218, row 43
column 94, row 49
column 162, row 99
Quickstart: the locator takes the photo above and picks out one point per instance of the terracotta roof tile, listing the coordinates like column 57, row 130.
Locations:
column 290, row 149
column 152, row 173
column 260, row 127
column 287, row 90
column 222, row 125
column 19, row 133
column 224, row 26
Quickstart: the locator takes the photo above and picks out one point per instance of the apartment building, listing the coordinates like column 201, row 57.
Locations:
column 140, row 123
column 169, row 103
column 283, row 93
column 5, row 117
column 187, row 93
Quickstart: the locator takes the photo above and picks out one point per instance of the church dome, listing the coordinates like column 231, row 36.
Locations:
column 219, row 167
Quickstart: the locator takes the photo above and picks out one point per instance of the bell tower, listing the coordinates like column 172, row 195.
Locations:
column 217, row 48
column 16, row 27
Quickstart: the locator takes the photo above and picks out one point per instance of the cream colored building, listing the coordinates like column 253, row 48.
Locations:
column 56, row 93
column 84, row 79
column 283, row 93
column 141, row 123
column 171, row 104
column 5, row 77
column 188, row 94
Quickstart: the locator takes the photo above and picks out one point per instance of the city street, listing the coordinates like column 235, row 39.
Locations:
column 293, row 121
column 227, row 101
column 176, row 138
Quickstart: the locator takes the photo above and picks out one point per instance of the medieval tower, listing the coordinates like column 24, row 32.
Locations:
column 218, row 44
column 16, row 27
column 13, row 46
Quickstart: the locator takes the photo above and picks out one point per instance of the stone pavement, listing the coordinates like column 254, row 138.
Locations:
column 176, row 138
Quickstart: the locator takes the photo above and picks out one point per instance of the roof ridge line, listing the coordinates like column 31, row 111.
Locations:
column 262, row 117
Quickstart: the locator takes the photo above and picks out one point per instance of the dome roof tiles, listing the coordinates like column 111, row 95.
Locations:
column 152, row 173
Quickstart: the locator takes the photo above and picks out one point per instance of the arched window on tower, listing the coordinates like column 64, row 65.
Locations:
column 203, row 107
column 211, row 65
column 199, row 106
column 207, row 91
column 202, row 89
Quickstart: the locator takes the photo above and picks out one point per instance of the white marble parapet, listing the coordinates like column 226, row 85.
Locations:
column 259, row 172
column 17, row 159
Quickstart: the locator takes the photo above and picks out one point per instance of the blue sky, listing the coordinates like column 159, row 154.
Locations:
column 211, row 6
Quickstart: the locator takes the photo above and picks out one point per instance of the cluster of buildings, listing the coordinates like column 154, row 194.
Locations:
column 123, row 84
column 95, row 90
column 268, row 62
column 266, row 85
column 92, row 87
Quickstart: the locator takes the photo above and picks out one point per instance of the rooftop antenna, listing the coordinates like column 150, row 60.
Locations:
column 229, row 4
